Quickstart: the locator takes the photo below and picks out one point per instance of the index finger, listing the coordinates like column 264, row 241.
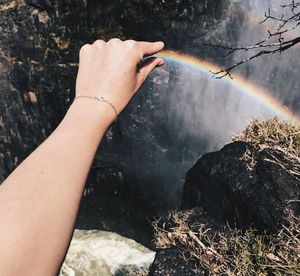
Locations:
column 150, row 48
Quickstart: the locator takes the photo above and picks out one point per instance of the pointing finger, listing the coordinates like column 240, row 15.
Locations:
column 150, row 48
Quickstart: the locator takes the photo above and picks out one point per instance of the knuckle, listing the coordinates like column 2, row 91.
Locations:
column 131, row 43
column 114, row 41
column 132, row 48
column 84, row 49
column 99, row 43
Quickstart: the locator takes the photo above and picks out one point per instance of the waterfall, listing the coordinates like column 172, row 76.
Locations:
column 94, row 253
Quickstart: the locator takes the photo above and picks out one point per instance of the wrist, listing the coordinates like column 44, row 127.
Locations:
column 100, row 99
column 91, row 111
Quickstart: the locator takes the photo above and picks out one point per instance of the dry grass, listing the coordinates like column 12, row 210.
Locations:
column 279, row 138
column 232, row 252
column 273, row 133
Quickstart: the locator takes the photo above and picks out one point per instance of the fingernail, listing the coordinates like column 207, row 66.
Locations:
column 161, row 62
column 160, row 42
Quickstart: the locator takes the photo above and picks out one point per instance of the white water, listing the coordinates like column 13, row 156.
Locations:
column 102, row 253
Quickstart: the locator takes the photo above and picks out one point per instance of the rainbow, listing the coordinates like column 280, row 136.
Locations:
column 242, row 85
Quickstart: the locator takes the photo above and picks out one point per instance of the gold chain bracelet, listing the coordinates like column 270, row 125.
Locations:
column 101, row 99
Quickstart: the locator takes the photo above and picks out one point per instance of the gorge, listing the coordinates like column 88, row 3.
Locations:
column 180, row 114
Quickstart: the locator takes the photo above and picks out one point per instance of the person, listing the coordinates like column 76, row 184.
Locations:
column 39, row 200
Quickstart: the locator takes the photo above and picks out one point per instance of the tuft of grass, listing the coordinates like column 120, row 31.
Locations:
column 280, row 139
column 273, row 133
column 230, row 251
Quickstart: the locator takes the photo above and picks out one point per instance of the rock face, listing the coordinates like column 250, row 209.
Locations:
column 94, row 253
column 37, row 73
column 39, row 44
column 170, row 262
column 243, row 186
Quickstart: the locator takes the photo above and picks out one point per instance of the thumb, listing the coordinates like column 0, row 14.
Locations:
column 148, row 65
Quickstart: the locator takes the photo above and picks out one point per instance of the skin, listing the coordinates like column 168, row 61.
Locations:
column 39, row 201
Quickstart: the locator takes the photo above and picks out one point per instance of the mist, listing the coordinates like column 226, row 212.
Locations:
column 181, row 113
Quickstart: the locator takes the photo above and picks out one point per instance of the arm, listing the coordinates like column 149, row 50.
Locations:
column 40, row 199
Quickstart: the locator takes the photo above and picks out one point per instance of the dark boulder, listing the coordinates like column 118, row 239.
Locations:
column 169, row 262
column 244, row 186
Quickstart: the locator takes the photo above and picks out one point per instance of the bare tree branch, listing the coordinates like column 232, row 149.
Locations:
column 287, row 23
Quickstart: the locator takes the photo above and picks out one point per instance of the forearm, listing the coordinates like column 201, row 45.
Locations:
column 42, row 205
column 39, row 200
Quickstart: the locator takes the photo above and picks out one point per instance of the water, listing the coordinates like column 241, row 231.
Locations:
column 94, row 253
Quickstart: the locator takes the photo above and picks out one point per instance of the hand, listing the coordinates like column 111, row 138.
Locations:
column 109, row 69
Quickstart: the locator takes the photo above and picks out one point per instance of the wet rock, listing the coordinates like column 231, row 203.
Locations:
column 169, row 262
column 39, row 44
column 244, row 186
column 107, row 205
